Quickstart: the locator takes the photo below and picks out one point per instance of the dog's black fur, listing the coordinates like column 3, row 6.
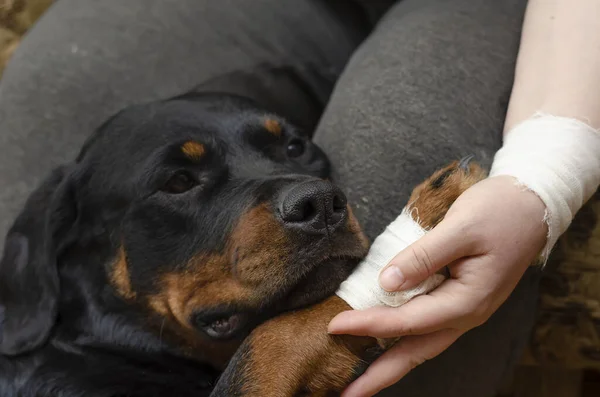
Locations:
column 67, row 330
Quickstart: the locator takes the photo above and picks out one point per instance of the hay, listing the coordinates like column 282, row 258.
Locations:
column 16, row 17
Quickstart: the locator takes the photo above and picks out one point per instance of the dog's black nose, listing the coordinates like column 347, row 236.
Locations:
column 314, row 206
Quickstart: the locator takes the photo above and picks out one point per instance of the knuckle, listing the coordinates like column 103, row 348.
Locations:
column 421, row 262
column 480, row 314
column 393, row 326
column 409, row 330
column 404, row 330
column 470, row 232
column 471, row 315
column 482, row 319
column 414, row 362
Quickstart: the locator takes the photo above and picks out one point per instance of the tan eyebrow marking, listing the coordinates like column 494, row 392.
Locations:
column 193, row 150
column 273, row 126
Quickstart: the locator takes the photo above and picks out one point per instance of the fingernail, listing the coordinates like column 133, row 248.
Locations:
column 391, row 279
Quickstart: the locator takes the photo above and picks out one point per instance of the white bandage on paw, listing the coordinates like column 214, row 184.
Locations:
column 557, row 158
column 362, row 290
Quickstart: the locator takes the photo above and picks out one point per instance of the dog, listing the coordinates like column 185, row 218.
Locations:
column 293, row 355
column 185, row 229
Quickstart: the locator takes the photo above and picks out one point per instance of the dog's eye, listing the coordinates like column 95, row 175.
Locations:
column 179, row 183
column 295, row 148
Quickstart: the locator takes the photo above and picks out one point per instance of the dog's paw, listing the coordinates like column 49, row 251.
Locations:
column 293, row 355
column 431, row 200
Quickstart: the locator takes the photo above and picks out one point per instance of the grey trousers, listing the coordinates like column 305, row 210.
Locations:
column 399, row 88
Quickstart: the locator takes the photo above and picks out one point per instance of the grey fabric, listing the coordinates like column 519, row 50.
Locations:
column 428, row 86
column 86, row 59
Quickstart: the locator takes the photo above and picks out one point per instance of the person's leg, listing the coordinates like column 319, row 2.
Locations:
column 86, row 59
column 429, row 86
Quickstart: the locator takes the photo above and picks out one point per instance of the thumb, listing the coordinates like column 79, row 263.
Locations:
column 423, row 258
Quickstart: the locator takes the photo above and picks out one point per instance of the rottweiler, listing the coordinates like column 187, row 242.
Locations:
column 142, row 266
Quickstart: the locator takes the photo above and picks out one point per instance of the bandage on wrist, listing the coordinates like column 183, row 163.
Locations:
column 362, row 290
column 558, row 159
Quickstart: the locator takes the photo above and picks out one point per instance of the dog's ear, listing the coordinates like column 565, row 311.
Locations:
column 29, row 283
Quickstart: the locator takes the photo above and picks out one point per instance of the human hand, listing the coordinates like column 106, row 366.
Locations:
column 488, row 238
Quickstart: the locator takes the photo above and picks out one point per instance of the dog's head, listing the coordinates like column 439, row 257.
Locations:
column 210, row 215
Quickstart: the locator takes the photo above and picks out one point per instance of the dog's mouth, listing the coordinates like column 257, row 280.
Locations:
column 235, row 322
column 222, row 325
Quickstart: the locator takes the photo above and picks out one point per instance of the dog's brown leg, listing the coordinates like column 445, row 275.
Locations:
column 292, row 355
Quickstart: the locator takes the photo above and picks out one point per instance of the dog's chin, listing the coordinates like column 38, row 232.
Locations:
column 297, row 290
column 320, row 283
column 228, row 323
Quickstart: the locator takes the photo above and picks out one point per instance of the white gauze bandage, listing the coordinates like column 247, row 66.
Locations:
column 558, row 159
column 362, row 291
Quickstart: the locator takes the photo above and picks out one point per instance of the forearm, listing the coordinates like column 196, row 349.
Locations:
column 557, row 79
column 558, row 67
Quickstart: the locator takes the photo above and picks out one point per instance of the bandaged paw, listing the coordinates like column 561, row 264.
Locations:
column 362, row 290
column 558, row 159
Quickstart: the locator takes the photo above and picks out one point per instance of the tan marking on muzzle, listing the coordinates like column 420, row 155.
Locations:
column 120, row 277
